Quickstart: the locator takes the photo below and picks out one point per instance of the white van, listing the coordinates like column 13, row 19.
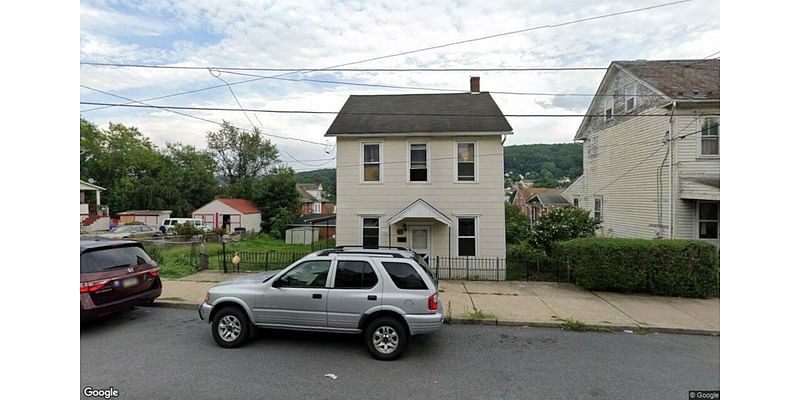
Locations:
column 169, row 224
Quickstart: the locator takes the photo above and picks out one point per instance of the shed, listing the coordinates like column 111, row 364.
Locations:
column 307, row 229
column 152, row 218
column 230, row 214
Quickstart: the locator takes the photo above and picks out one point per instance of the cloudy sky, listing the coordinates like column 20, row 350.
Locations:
column 320, row 34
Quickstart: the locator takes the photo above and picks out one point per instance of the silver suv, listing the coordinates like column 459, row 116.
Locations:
column 385, row 294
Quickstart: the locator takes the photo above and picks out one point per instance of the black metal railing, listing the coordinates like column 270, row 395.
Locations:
column 256, row 260
column 544, row 269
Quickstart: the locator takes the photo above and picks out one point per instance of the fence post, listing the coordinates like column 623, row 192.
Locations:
column 467, row 268
column 498, row 268
column 267, row 268
column 437, row 267
column 224, row 264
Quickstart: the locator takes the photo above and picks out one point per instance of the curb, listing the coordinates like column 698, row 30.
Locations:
column 560, row 325
column 496, row 322
column 174, row 304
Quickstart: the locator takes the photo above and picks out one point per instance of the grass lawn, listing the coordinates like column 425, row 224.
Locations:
column 177, row 261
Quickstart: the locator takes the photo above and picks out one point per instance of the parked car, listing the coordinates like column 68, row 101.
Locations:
column 169, row 224
column 130, row 231
column 383, row 294
column 116, row 275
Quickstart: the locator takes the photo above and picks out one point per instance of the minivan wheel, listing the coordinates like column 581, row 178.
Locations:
column 230, row 327
column 386, row 338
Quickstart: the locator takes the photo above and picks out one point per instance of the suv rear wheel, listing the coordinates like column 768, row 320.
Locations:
column 230, row 327
column 386, row 338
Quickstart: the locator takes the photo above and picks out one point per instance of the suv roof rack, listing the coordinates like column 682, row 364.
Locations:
column 364, row 251
column 371, row 248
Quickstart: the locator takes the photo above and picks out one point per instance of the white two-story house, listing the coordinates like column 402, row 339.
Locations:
column 423, row 171
column 651, row 151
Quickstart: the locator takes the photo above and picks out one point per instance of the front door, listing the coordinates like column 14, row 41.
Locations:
column 421, row 241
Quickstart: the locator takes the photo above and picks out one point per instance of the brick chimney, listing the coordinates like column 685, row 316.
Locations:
column 475, row 84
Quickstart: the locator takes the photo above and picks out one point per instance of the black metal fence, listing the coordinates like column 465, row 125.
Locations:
column 256, row 260
column 544, row 269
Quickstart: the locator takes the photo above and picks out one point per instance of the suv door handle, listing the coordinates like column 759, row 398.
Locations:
column 316, row 296
column 372, row 297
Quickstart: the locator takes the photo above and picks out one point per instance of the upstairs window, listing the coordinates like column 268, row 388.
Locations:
column 576, row 202
column 418, row 156
column 465, row 168
column 371, row 154
column 709, row 136
column 630, row 97
column 370, row 232
column 609, row 107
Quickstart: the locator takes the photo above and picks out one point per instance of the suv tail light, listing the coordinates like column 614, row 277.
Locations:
column 93, row 286
column 154, row 272
column 433, row 302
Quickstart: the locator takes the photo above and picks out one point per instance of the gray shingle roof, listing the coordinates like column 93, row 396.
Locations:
column 408, row 113
column 550, row 199
column 679, row 79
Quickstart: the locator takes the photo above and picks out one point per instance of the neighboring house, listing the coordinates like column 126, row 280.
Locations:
column 524, row 194
column 422, row 171
column 94, row 216
column 651, row 142
column 312, row 199
column 230, row 214
column 311, row 228
column 544, row 202
column 152, row 218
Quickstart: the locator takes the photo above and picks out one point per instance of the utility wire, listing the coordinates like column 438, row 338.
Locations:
column 439, row 46
column 198, row 118
column 308, row 70
column 313, row 112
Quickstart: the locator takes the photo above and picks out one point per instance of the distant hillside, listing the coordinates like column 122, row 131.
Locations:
column 545, row 163
column 327, row 177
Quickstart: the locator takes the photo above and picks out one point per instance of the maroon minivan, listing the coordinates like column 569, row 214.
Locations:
column 116, row 275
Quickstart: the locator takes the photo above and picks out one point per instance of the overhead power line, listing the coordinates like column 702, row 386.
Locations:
column 546, row 26
column 314, row 112
column 432, row 69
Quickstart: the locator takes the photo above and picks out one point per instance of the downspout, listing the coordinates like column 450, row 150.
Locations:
column 669, row 151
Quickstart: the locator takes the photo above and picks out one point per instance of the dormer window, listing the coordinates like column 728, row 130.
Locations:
column 630, row 97
column 609, row 108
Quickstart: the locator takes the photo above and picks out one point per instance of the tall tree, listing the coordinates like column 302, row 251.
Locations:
column 241, row 154
column 277, row 193
column 191, row 173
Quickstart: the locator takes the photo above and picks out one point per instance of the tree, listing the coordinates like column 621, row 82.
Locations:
column 518, row 227
column 563, row 224
column 241, row 154
column 279, row 222
column 191, row 173
column 277, row 191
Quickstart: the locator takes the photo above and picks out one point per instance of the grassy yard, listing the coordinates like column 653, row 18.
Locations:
column 177, row 261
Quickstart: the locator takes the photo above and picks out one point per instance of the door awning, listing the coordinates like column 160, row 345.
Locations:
column 699, row 187
column 420, row 209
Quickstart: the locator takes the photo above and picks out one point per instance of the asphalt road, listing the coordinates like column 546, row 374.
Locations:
column 158, row 353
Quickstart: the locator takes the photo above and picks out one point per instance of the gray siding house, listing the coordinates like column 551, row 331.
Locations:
column 423, row 171
column 651, row 143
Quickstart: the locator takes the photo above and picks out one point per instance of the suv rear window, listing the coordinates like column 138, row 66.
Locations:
column 116, row 257
column 354, row 275
column 404, row 276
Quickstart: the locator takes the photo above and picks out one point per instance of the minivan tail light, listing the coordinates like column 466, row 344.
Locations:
column 93, row 286
column 433, row 302
column 154, row 272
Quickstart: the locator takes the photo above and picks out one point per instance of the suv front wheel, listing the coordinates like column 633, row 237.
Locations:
column 230, row 327
column 386, row 338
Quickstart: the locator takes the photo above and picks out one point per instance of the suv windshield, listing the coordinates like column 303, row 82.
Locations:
column 115, row 257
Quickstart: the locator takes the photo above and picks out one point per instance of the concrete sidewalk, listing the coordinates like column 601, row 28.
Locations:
column 524, row 303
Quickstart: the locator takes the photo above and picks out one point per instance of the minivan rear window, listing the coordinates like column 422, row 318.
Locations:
column 404, row 276
column 112, row 258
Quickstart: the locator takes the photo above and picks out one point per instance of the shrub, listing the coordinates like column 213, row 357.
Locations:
column 279, row 222
column 518, row 228
column 187, row 229
column 685, row 268
column 563, row 224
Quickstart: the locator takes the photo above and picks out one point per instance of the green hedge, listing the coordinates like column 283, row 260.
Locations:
column 685, row 268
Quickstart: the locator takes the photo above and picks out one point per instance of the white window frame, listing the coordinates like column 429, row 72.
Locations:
column 606, row 108
column 633, row 96
column 427, row 162
column 361, row 228
column 602, row 208
column 317, row 208
column 477, row 236
column 698, row 220
column 380, row 162
column 700, row 137
column 475, row 155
